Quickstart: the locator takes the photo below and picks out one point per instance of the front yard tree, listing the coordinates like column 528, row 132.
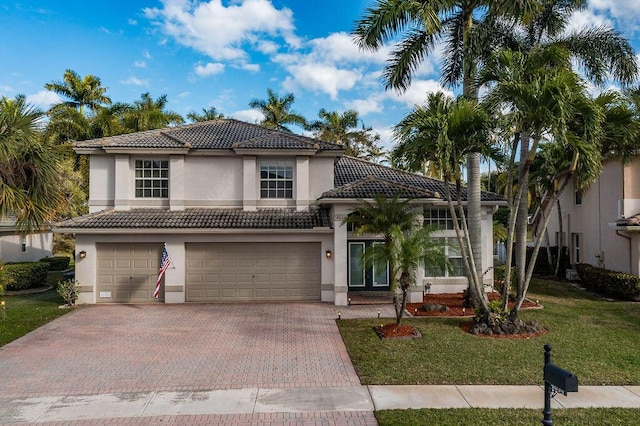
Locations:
column 406, row 243
column 80, row 92
column 443, row 132
column 28, row 166
column 467, row 37
column 207, row 114
column 148, row 114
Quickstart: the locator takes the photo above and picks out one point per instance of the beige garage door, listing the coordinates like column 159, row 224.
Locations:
column 127, row 273
column 218, row 272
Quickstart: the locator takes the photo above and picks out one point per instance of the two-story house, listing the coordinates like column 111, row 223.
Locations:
column 246, row 213
column 601, row 226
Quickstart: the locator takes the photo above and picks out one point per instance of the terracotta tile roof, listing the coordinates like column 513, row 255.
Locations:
column 372, row 185
column 349, row 170
column 201, row 218
column 224, row 134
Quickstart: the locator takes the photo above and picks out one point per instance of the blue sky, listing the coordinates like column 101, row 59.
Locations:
column 223, row 53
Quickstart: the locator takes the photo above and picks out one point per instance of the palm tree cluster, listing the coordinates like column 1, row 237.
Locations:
column 535, row 109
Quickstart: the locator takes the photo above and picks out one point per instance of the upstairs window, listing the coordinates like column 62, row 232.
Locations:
column 578, row 198
column 276, row 181
column 440, row 218
column 152, row 179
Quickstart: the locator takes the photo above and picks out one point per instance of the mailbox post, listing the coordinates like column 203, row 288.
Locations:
column 556, row 380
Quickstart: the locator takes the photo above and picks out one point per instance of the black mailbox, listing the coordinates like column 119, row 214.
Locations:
column 563, row 380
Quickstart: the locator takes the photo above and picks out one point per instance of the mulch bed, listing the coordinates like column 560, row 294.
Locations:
column 454, row 303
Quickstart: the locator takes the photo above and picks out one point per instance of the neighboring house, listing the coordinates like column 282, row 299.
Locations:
column 16, row 246
column 247, row 214
column 601, row 225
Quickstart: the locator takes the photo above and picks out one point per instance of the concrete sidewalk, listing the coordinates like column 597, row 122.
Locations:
column 307, row 405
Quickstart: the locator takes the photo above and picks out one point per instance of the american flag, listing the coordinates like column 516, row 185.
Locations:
column 164, row 264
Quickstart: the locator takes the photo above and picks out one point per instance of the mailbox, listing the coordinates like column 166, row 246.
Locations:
column 563, row 380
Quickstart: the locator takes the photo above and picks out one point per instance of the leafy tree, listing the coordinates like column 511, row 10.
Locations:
column 277, row 111
column 443, row 132
column 207, row 114
column 342, row 129
column 469, row 30
column 81, row 92
column 405, row 244
column 28, row 166
column 148, row 114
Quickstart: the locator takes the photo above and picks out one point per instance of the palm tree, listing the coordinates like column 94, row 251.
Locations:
column 207, row 114
column 408, row 250
column 28, row 166
column 277, row 111
column 467, row 37
column 444, row 131
column 81, row 92
column 147, row 114
column 404, row 248
column 342, row 129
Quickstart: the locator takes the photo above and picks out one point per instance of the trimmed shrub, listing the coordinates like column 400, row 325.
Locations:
column 26, row 275
column 616, row 285
column 68, row 290
column 57, row 263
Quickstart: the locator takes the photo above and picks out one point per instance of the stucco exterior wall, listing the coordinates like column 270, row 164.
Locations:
column 37, row 246
column 601, row 204
column 101, row 182
column 321, row 176
column 212, row 181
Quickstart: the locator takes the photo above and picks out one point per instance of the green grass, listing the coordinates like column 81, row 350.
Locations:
column 596, row 339
column 507, row 416
column 25, row 313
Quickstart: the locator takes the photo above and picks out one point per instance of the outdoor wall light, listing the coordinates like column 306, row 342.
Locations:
column 82, row 254
column 329, row 254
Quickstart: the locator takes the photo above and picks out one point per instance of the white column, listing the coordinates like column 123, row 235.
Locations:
column 250, row 183
column 123, row 185
column 302, row 183
column 341, row 256
column 174, row 277
column 176, row 182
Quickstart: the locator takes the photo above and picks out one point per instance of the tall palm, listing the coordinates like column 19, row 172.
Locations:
column 277, row 111
column 207, row 114
column 342, row 129
column 28, row 166
column 444, row 131
column 81, row 92
column 148, row 114
column 467, row 37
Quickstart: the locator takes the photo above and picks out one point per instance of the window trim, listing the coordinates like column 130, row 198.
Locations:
column 451, row 253
column 140, row 167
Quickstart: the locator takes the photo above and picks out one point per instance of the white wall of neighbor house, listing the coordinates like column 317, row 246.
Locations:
column 15, row 247
column 175, row 276
column 586, row 226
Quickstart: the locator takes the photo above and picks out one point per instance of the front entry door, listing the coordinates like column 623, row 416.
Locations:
column 362, row 277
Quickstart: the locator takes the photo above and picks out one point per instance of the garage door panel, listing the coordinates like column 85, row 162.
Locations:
column 253, row 271
column 127, row 272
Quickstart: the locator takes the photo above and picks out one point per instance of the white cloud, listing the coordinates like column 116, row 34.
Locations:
column 135, row 81
column 587, row 18
column 6, row 89
column 132, row 22
column 619, row 9
column 250, row 67
column 184, row 94
column 417, row 92
column 220, row 31
column 321, row 77
column 209, row 69
column 44, row 99
column 366, row 106
column 248, row 115
column 146, row 54
column 140, row 64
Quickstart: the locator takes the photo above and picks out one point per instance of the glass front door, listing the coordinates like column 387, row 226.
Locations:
column 362, row 277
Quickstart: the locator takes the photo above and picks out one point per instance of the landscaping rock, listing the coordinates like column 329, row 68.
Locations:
column 434, row 307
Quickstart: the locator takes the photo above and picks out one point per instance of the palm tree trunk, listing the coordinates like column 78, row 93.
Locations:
column 560, row 239
column 523, row 214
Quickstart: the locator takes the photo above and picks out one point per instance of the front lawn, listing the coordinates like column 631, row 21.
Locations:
column 596, row 339
column 507, row 417
column 25, row 313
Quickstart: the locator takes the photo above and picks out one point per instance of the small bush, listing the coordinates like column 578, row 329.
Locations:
column 68, row 290
column 26, row 275
column 57, row 263
column 612, row 284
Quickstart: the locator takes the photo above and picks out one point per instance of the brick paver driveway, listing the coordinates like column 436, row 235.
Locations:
column 135, row 348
